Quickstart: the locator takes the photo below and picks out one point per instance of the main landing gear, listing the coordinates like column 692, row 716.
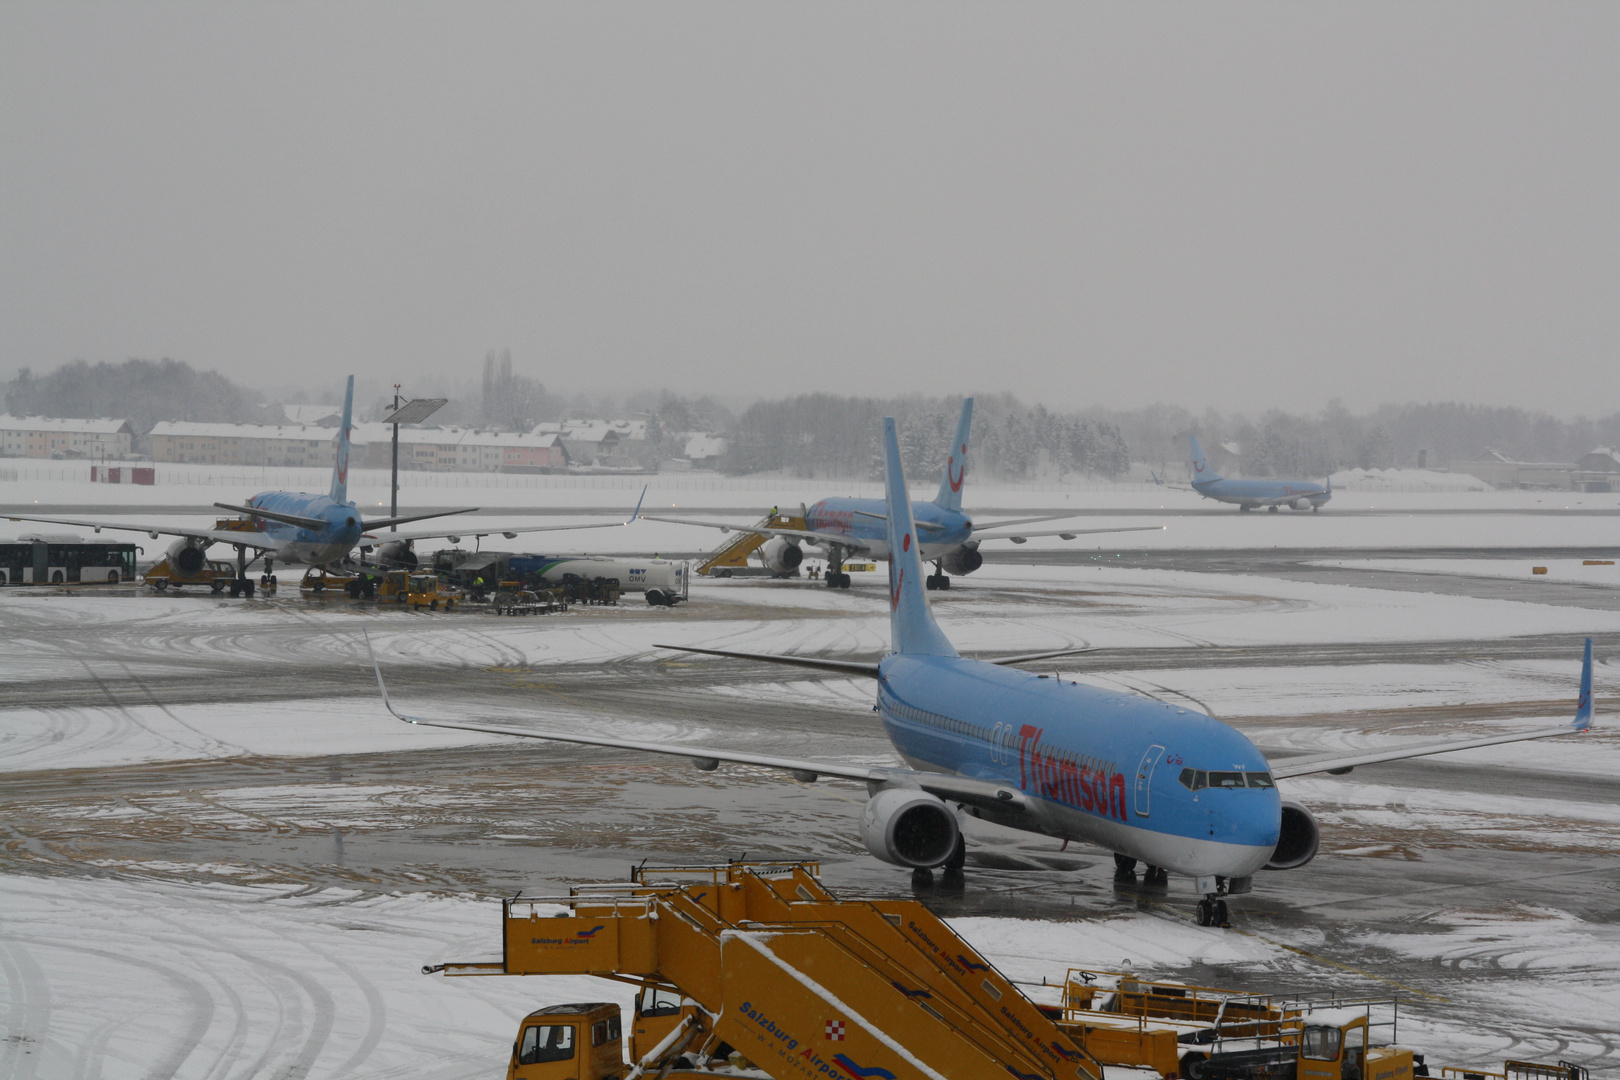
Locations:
column 938, row 579
column 242, row 585
column 834, row 575
column 267, row 580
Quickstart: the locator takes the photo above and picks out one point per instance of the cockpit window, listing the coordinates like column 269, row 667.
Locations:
column 1260, row 779
column 1226, row 779
column 1193, row 779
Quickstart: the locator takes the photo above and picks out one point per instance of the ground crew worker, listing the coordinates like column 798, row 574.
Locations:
column 478, row 588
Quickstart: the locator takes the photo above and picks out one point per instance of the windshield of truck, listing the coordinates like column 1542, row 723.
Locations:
column 546, row 1042
column 1320, row 1043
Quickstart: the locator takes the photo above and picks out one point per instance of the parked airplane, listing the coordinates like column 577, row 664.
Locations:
column 295, row 527
column 1148, row 780
column 1248, row 494
column 846, row 528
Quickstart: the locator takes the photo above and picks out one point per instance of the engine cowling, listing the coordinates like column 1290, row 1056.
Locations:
column 1297, row 840
column 908, row 827
column 185, row 556
column 781, row 555
column 1301, row 504
column 964, row 560
column 397, row 553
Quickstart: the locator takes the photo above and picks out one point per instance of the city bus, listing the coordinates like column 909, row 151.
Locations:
column 61, row 558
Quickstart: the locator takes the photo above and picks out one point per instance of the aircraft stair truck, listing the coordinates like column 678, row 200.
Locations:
column 797, row 983
column 780, row 556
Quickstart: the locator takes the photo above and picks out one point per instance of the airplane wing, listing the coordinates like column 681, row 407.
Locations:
column 1343, row 763
column 257, row 540
column 1020, row 521
column 1004, row 798
column 1018, row 536
column 843, row 540
column 383, row 523
column 1171, row 484
column 854, row 667
column 454, row 534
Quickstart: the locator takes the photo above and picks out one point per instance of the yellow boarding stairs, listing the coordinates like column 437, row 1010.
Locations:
column 733, row 554
column 798, row 983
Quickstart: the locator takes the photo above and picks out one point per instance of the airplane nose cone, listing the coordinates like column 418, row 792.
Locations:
column 1252, row 818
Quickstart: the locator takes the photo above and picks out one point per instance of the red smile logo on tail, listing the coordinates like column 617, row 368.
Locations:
column 957, row 475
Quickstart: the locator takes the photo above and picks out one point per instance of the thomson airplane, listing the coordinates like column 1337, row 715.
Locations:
column 295, row 527
column 1150, row 781
column 1248, row 494
column 846, row 528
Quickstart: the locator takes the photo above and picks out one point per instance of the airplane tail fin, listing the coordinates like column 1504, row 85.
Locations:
column 1202, row 469
column 340, row 470
column 912, row 628
column 1583, row 708
column 956, row 462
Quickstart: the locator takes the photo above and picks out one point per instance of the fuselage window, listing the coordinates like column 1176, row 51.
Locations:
column 1226, row 779
column 1260, row 779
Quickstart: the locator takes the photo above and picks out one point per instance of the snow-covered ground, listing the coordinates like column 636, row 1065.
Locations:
column 156, row 967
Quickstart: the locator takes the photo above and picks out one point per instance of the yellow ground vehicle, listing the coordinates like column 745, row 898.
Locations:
column 756, row 968
column 422, row 591
column 761, row 962
column 210, row 572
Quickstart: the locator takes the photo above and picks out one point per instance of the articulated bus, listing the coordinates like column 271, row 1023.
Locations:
column 60, row 558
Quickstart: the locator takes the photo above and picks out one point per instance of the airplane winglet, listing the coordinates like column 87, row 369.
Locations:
column 635, row 515
column 382, row 686
column 1583, row 707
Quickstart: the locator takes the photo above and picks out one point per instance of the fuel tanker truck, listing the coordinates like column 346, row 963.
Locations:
column 664, row 583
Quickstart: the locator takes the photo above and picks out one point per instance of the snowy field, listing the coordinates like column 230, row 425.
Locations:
column 127, row 955
column 1417, row 514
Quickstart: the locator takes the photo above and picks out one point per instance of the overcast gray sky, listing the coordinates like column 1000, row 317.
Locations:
column 1237, row 205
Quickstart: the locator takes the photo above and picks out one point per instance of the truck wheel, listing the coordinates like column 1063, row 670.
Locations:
column 217, row 587
column 112, row 577
column 434, row 606
column 160, row 584
column 317, row 585
column 1194, row 1066
column 723, row 573
column 655, row 598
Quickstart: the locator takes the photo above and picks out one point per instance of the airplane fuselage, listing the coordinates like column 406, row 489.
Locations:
column 1095, row 765
column 1298, row 493
column 862, row 521
column 316, row 547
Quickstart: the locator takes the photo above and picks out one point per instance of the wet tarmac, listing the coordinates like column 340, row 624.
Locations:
column 496, row 819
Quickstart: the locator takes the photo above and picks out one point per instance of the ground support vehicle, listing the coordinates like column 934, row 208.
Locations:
column 759, row 966
column 664, row 582
column 517, row 600
column 216, row 575
column 730, row 559
column 318, row 579
column 423, row 590
column 1200, row 1033
column 580, row 590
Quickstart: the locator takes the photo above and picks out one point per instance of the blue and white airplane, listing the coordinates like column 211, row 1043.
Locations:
column 1248, row 494
column 296, row 527
column 849, row 528
column 1150, row 781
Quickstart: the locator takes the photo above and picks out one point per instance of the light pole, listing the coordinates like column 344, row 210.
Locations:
column 412, row 412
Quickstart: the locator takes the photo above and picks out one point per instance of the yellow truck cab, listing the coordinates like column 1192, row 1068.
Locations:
column 569, row 1042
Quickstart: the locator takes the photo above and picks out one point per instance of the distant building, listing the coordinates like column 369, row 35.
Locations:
column 197, row 443
column 327, row 416
column 612, row 443
column 48, row 437
column 458, row 449
column 1501, row 471
column 1598, row 470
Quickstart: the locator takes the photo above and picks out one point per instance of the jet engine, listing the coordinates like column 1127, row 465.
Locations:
column 1297, row 840
column 964, row 560
column 908, row 827
column 396, row 553
column 1301, row 504
column 781, row 555
column 186, row 556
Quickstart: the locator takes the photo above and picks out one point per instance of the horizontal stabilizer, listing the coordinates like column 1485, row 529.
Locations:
column 276, row 515
column 843, row 667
